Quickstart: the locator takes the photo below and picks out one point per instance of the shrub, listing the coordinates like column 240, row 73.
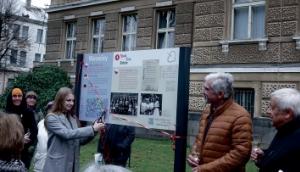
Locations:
column 44, row 80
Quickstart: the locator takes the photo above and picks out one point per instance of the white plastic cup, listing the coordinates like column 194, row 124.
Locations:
column 98, row 158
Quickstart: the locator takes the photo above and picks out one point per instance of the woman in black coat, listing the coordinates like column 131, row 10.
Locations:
column 15, row 104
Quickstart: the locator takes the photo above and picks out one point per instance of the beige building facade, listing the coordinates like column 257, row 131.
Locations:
column 258, row 41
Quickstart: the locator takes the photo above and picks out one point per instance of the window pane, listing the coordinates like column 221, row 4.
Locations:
column 22, row 58
column 13, row 57
column 102, row 24
column 73, row 49
column 101, row 44
column 241, row 23
column 68, row 49
column 74, row 29
column 125, row 43
column 242, row 1
column 95, row 45
column 172, row 18
column 16, row 30
column 39, row 36
column 161, row 40
column 133, row 23
column 246, row 1
column 133, row 42
column 70, row 30
column 25, row 32
column 171, row 38
column 258, row 22
column 37, row 57
column 126, row 24
column 162, row 19
column 129, row 23
column 96, row 27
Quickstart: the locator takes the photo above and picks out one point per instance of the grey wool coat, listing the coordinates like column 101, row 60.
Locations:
column 64, row 142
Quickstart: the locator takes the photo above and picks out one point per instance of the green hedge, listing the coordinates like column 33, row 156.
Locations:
column 44, row 80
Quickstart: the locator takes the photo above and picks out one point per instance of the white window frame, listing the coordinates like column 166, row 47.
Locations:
column 36, row 55
column 131, row 33
column 165, row 30
column 22, row 59
column 39, row 39
column 71, row 39
column 249, row 4
column 99, row 36
column 25, row 35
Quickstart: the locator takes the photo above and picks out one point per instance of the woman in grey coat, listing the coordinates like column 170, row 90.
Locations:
column 64, row 135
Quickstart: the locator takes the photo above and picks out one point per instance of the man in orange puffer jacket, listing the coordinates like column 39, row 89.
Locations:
column 223, row 143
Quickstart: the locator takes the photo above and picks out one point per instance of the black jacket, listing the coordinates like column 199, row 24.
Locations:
column 284, row 151
column 26, row 116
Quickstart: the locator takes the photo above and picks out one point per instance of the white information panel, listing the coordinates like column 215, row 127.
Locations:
column 137, row 88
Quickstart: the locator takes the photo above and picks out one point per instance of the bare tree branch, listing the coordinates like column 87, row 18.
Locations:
column 10, row 38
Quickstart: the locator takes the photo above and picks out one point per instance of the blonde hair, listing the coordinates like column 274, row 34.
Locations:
column 58, row 103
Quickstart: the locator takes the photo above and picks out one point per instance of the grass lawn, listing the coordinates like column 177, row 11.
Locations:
column 147, row 156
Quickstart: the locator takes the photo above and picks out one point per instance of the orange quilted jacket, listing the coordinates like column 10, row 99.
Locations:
column 227, row 145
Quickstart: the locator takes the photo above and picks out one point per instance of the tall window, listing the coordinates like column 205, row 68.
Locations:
column 70, row 40
column 248, row 19
column 39, row 36
column 16, row 30
column 98, row 35
column 13, row 57
column 245, row 97
column 25, row 30
column 22, row 60
column 165, row 29
column 129, row 32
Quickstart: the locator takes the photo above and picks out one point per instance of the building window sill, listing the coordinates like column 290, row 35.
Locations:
column 262, row 43
column 297, row 39
column 59, row 61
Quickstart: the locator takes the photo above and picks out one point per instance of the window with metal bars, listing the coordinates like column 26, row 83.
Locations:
column 245, row 97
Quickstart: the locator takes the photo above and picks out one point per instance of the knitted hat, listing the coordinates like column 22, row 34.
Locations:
column 17, row 91
column 31, row 93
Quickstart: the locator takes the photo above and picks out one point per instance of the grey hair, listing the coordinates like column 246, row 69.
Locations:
column 221, row 82
column 106, row 168
column 287, row 98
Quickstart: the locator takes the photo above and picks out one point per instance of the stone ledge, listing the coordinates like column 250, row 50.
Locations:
column 261, row 42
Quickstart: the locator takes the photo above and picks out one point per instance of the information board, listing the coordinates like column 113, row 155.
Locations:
column 137, row 88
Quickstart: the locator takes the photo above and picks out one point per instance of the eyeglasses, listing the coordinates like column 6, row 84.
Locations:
column 31, row 97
